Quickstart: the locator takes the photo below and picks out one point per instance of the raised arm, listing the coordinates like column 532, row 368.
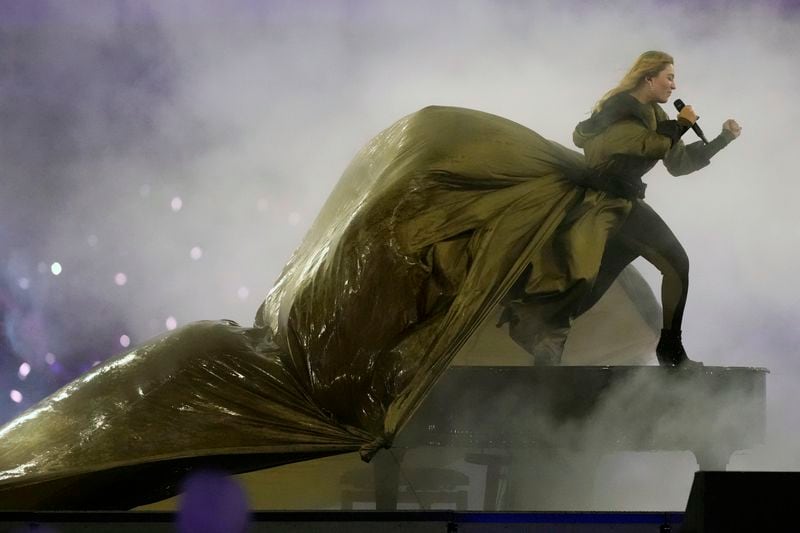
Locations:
column 683, row 159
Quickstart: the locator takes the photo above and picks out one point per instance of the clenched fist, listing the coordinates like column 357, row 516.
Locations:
column 733, row 127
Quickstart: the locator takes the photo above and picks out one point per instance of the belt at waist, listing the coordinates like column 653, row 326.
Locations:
column 630, row 187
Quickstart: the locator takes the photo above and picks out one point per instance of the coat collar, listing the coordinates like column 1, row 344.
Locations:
column 619, row 107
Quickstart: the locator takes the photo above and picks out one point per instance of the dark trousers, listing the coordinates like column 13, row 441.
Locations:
column 540, row 324
column 645, row 234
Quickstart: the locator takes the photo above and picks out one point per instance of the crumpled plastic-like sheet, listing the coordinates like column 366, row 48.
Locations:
column 424, row 234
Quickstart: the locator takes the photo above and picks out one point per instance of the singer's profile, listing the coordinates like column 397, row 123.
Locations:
column 626, row 135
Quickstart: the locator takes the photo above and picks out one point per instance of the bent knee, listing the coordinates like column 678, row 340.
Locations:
column 677, row 270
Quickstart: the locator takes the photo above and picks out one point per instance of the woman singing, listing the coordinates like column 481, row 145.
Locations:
column 626, row 135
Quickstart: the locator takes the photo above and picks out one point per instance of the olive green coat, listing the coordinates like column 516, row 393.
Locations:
column 427, row 230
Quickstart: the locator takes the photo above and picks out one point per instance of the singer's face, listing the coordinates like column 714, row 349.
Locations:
column 663, row 84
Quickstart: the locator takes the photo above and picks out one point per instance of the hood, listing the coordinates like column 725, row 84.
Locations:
column 619, row 107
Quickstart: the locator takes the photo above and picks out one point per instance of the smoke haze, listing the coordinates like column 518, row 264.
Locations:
column 188, row 147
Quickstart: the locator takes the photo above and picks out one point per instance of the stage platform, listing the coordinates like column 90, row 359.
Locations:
column 355, row 522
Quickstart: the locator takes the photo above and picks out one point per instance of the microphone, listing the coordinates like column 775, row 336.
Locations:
column 680, row 105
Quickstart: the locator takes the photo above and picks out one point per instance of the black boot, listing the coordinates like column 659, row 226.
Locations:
column 670, row 350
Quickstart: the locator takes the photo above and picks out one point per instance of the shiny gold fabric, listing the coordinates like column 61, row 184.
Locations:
column 428, row 228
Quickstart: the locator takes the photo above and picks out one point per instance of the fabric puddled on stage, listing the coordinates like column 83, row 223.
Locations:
column 429, row 228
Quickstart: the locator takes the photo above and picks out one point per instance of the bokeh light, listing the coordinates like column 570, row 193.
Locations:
column 243, row 293
column 212, row 502
column 171, row 323
column 196, row 253
column 125, row 341
column 16, row 396
column 55, row 268
column 24, row 370
column 120, row 279
column 24, row 283
column 50, row 358
column 176, row 204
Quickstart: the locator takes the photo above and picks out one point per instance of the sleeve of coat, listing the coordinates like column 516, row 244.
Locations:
column 683, row 159
column 631, row 137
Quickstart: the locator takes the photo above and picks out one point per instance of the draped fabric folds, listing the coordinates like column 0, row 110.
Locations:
column 427, row 230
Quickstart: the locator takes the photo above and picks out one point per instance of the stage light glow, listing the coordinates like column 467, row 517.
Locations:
column 176, row 204
column 24, row 370
column 125, row 341
column 294, row 218
column 92, row 240
column 171, row 323
column 243, row 293
column 50, row 358
column 196, row 253
column 55, row 268
column 120, row 279
column 24, row 283
column 16, row 396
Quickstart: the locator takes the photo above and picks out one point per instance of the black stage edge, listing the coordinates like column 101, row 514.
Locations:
column 357, row 522
column 742, row 501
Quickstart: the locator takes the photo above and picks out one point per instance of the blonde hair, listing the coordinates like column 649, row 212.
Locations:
column 647, row 65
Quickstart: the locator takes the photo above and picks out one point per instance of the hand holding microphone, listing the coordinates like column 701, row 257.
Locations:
column 686, row 112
